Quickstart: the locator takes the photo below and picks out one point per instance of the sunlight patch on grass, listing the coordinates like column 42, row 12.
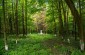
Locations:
column 39, row 37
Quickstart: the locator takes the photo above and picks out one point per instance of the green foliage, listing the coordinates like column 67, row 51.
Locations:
column 41, row 37
column 41, row 2
column 1, row 46
column 62, row 49
column 68, row 50
column 76, row 52
column 31, row 45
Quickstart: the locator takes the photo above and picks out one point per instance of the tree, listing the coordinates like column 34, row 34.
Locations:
column 78, row 21
column 65, row 10
column 60, row 19
column 4, row 25
column 26, row 17
column 13, row 16
column 0, row 25
column 16, row 20
column 23, row 18
column 53, row 16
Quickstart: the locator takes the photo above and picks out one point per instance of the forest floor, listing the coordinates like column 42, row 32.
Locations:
column 37, row 44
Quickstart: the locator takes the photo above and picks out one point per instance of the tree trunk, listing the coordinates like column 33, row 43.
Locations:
column 74, row 30
column 23, row 18
column 26, row 17
column 13, row 16
column 53, row 18
column 60, row 20
column 10, row 24
column 16, row 20
column 0, row 26
column 65, row 19
column 4, row 25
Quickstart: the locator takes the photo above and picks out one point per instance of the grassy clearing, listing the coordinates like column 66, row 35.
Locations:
column 31, row 45
column 37, row 44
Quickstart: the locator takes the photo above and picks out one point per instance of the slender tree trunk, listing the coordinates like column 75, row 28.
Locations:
column 12, row 16
column 53, row 18
column 7, row 17
column 16, row 20
column 74, row 30
column 65, row 19
column 26, row 17
column 60, row 20
column 10, row 24
column 4, row 25
column 78, row 21
column 80, row 8
column 23, row 18
column 0, row 26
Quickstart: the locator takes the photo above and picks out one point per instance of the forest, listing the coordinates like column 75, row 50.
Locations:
column 42, row 27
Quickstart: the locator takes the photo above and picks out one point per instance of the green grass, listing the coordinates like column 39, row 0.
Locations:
column 31, row 45
column 39, row 37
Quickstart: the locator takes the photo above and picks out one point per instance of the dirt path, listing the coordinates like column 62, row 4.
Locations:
column 51, row 43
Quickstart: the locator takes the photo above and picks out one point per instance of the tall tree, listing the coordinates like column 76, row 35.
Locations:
column 16, row 20
column 78, row 21
column 26, row 16
column 4, row 25
column 65, row 18
column 53, row 16
column 60, row 19
column 23, row 18
column 13, row 16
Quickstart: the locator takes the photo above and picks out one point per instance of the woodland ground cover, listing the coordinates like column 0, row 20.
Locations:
column 37, row 44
